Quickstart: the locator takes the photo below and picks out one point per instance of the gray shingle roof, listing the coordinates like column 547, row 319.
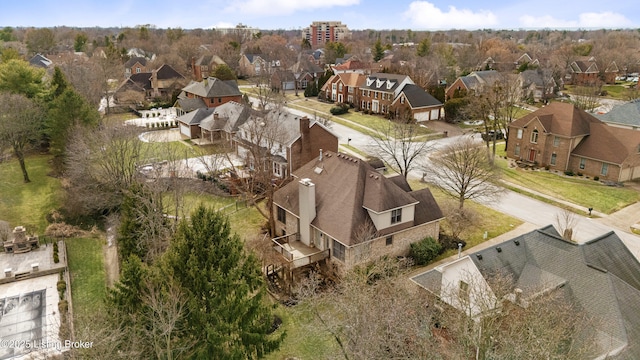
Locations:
column 419, row 98
column 625, row 114
column 343, row 187
column 213, row 87
column 601, row 276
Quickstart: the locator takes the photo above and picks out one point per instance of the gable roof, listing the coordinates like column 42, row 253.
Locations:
column 609, row 144
column 352, row 79
column 542, row 260
column 40, row 60
column 168, row 72
column 584, row 66
column 351, row 65
column 418, row 98
column 213, row 87
column 561, row 119
column 344, row 187
column 134, row 60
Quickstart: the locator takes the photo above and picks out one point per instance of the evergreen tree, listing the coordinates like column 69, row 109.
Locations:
column 65, row 111
column 125, row 298
column 378, row 51
column 424, row 47
column 224, row 72
column 227, row 312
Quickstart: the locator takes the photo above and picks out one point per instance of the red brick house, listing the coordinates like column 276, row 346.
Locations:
column 210, row 92
column 204, row 66
column 163, row 82
column 290, row 140
column 135, row 65
column 422, row 105
column 473, row 82
column 379, row 91
column 343, row 88
column 566, row 138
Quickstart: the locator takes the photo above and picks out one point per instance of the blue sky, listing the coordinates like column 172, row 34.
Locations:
column 297, row 14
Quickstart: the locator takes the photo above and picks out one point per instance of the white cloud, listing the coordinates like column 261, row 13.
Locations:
column 283, row 7
column 585, row 20
column 424, row 14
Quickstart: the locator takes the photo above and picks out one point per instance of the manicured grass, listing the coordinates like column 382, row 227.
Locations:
column 575, row 189
column 28, row 204
column 88, row 279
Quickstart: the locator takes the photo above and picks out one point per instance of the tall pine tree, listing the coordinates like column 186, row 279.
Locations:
column 227, row 311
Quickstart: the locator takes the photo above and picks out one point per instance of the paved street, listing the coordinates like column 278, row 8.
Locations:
column 534, row 213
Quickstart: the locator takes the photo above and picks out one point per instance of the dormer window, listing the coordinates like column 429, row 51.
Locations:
column 379, row 83
column 390, row 84
column 369, row 82
column 396, row 216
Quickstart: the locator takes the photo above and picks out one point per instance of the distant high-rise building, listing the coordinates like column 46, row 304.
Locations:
column 321, row 32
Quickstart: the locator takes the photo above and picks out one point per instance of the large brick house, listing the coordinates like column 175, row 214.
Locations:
column 343, row 87
column 379, row 90
column 566, row 138
column 473, row 82
column 210, row 92
column 289, row 140
column 341, row 209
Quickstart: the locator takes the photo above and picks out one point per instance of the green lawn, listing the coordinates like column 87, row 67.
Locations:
column 575, row 189
column 28, row 204
column 88, row 279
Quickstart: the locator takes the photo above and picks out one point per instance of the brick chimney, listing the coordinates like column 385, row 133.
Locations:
column 307, row 204
column 154, row 83
column 305, row 138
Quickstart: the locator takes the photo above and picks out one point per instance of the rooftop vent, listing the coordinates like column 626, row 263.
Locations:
column 479, row 256
column 517, row 242
column 499, row 249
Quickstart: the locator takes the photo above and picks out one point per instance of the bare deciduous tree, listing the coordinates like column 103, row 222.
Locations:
column 101, row 165
column 566, row 222
column 462, row 170
column 21, row 120
column 399, row 145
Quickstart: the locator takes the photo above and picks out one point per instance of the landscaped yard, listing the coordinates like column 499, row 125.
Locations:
column 28, row 204
column 493, row 222
column 575, row 189
column 88, row 282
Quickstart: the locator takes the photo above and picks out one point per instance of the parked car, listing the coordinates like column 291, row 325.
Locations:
column 491, row 135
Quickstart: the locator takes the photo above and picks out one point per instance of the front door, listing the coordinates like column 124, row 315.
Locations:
column 532, row 155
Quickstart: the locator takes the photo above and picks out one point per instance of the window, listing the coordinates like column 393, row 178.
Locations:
column 605, row 169
column 219, row 100
column 534, row 136
column 516, row 150
column 282, row 215
column 583, row 163
column 396, row 216
column 138, row 70
column 553, row 159
column 340, row 87
column 402, row 100
column 277, row 169
column 375, row 94
column 556, row 141
column 334, row 86
column 389, row 240
column 463, row 291
column 338, row 250
column 519, row 134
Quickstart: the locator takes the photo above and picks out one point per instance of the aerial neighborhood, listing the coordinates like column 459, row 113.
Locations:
column 319, row 193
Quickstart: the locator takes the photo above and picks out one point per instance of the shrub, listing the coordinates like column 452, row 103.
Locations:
column 63, row 306
column 579, row 173
column 62, row 286
column 339, row 109
column 569, row 173
column 56, row 258
column 425, row 250
column 596, row 178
